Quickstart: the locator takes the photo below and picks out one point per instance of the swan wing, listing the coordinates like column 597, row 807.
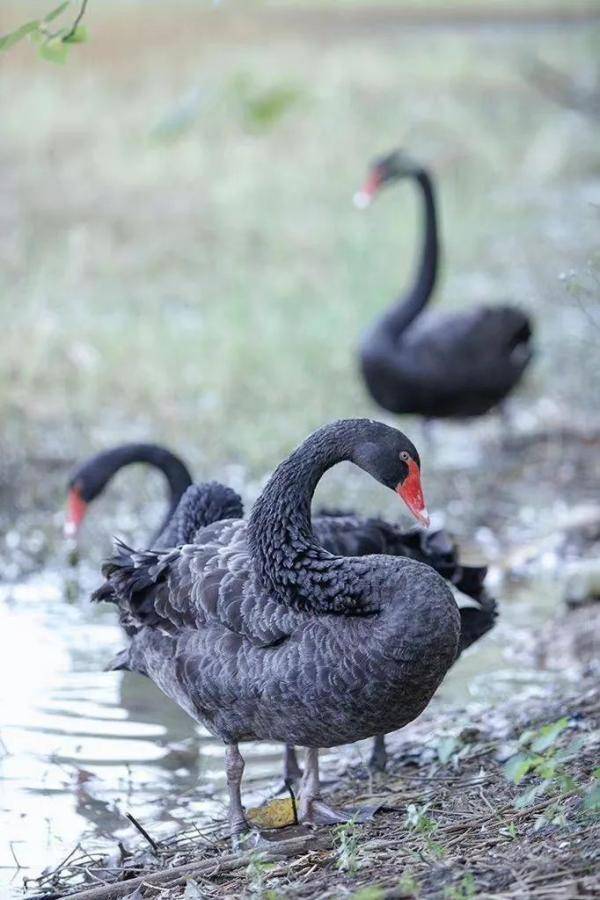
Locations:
column 488, row 343
column 195, row 587
column 346, row 534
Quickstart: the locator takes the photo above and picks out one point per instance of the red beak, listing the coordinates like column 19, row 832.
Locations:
column 412, row 493
column 76, row 510
column 370, row 188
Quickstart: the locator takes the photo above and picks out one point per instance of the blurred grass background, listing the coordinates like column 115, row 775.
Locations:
column 179, row 255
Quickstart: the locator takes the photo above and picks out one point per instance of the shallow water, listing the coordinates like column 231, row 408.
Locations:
column 82, row 747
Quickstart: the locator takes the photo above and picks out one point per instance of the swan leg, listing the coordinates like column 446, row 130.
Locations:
column 312, row 810
column 291, row 768
column 378, row 759
column 234, row 769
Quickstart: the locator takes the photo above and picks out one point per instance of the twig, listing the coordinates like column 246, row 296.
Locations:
column 143, row 831
column 227, row 863
column 14, row 855
column 67, row 37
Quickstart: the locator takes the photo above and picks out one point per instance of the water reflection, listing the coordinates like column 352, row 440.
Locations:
column 81, row 747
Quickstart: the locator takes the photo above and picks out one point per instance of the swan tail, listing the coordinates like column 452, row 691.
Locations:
column 475, row 621
column 438, row 550
column 119, row 663
column 132, row 582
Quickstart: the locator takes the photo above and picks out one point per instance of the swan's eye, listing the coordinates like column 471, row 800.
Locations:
column 405, row 456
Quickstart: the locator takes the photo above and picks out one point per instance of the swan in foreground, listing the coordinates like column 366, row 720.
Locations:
column 261, row 634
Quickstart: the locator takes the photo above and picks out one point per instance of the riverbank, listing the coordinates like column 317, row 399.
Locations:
column 501, row 804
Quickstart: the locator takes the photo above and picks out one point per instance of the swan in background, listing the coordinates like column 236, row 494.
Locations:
column 438, row 365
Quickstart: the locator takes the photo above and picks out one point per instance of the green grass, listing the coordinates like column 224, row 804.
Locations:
column 209, row 289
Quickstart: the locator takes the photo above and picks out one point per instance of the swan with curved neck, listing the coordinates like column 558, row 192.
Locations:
column 90, row 479
column 261, row 634
column 344, row 534
column 444, row 366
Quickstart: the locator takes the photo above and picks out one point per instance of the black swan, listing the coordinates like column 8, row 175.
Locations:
column 452, row 365
column 341, row 533
column 259, row 633
column 202, row 503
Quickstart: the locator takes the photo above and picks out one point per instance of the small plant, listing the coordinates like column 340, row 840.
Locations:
column 346, row 848
column 591, row 800
column 510, row 831
column 446, row 748
column 53, row 45
column 409, row 886
column 541, row 758
column 257, row 872
column 418, row 820
column 464, row 890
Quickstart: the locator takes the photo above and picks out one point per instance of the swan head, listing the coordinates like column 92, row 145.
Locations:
column 393, row 460
column 85, row 484
column 76, row 510
column 384, row 170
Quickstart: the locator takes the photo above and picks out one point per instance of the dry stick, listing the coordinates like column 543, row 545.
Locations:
column 143, row 832
column 226, row 864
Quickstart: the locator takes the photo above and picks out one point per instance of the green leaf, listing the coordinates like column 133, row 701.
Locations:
column 55, row 51
column 548, row 734
column 446, row 749
column 37, row 37
column 79, row 36
column 55, row 13
column 527, row 737
column 571, row 751
column 517, row 767
column 591, row 802
column 13, row 37
column 567, row 784
column 531, row 795
column 546, row 769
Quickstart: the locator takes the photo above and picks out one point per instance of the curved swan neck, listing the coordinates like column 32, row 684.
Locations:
column 408, row 307
column 103, row 467
column 286, row 557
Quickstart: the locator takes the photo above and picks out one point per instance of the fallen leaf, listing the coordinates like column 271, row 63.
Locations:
column 276, row 814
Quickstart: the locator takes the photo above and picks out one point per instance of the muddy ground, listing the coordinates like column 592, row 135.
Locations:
column 451, row 823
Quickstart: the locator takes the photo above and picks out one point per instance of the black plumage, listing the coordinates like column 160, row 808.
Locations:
column 90, row 479
column 260, row 633
column 451, row 365
column 201, row 505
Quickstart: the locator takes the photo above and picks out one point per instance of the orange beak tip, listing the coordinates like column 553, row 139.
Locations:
column 69, row 530
column 411, row 492
column 75, row 514
column 424, row 518
column 362, row 199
